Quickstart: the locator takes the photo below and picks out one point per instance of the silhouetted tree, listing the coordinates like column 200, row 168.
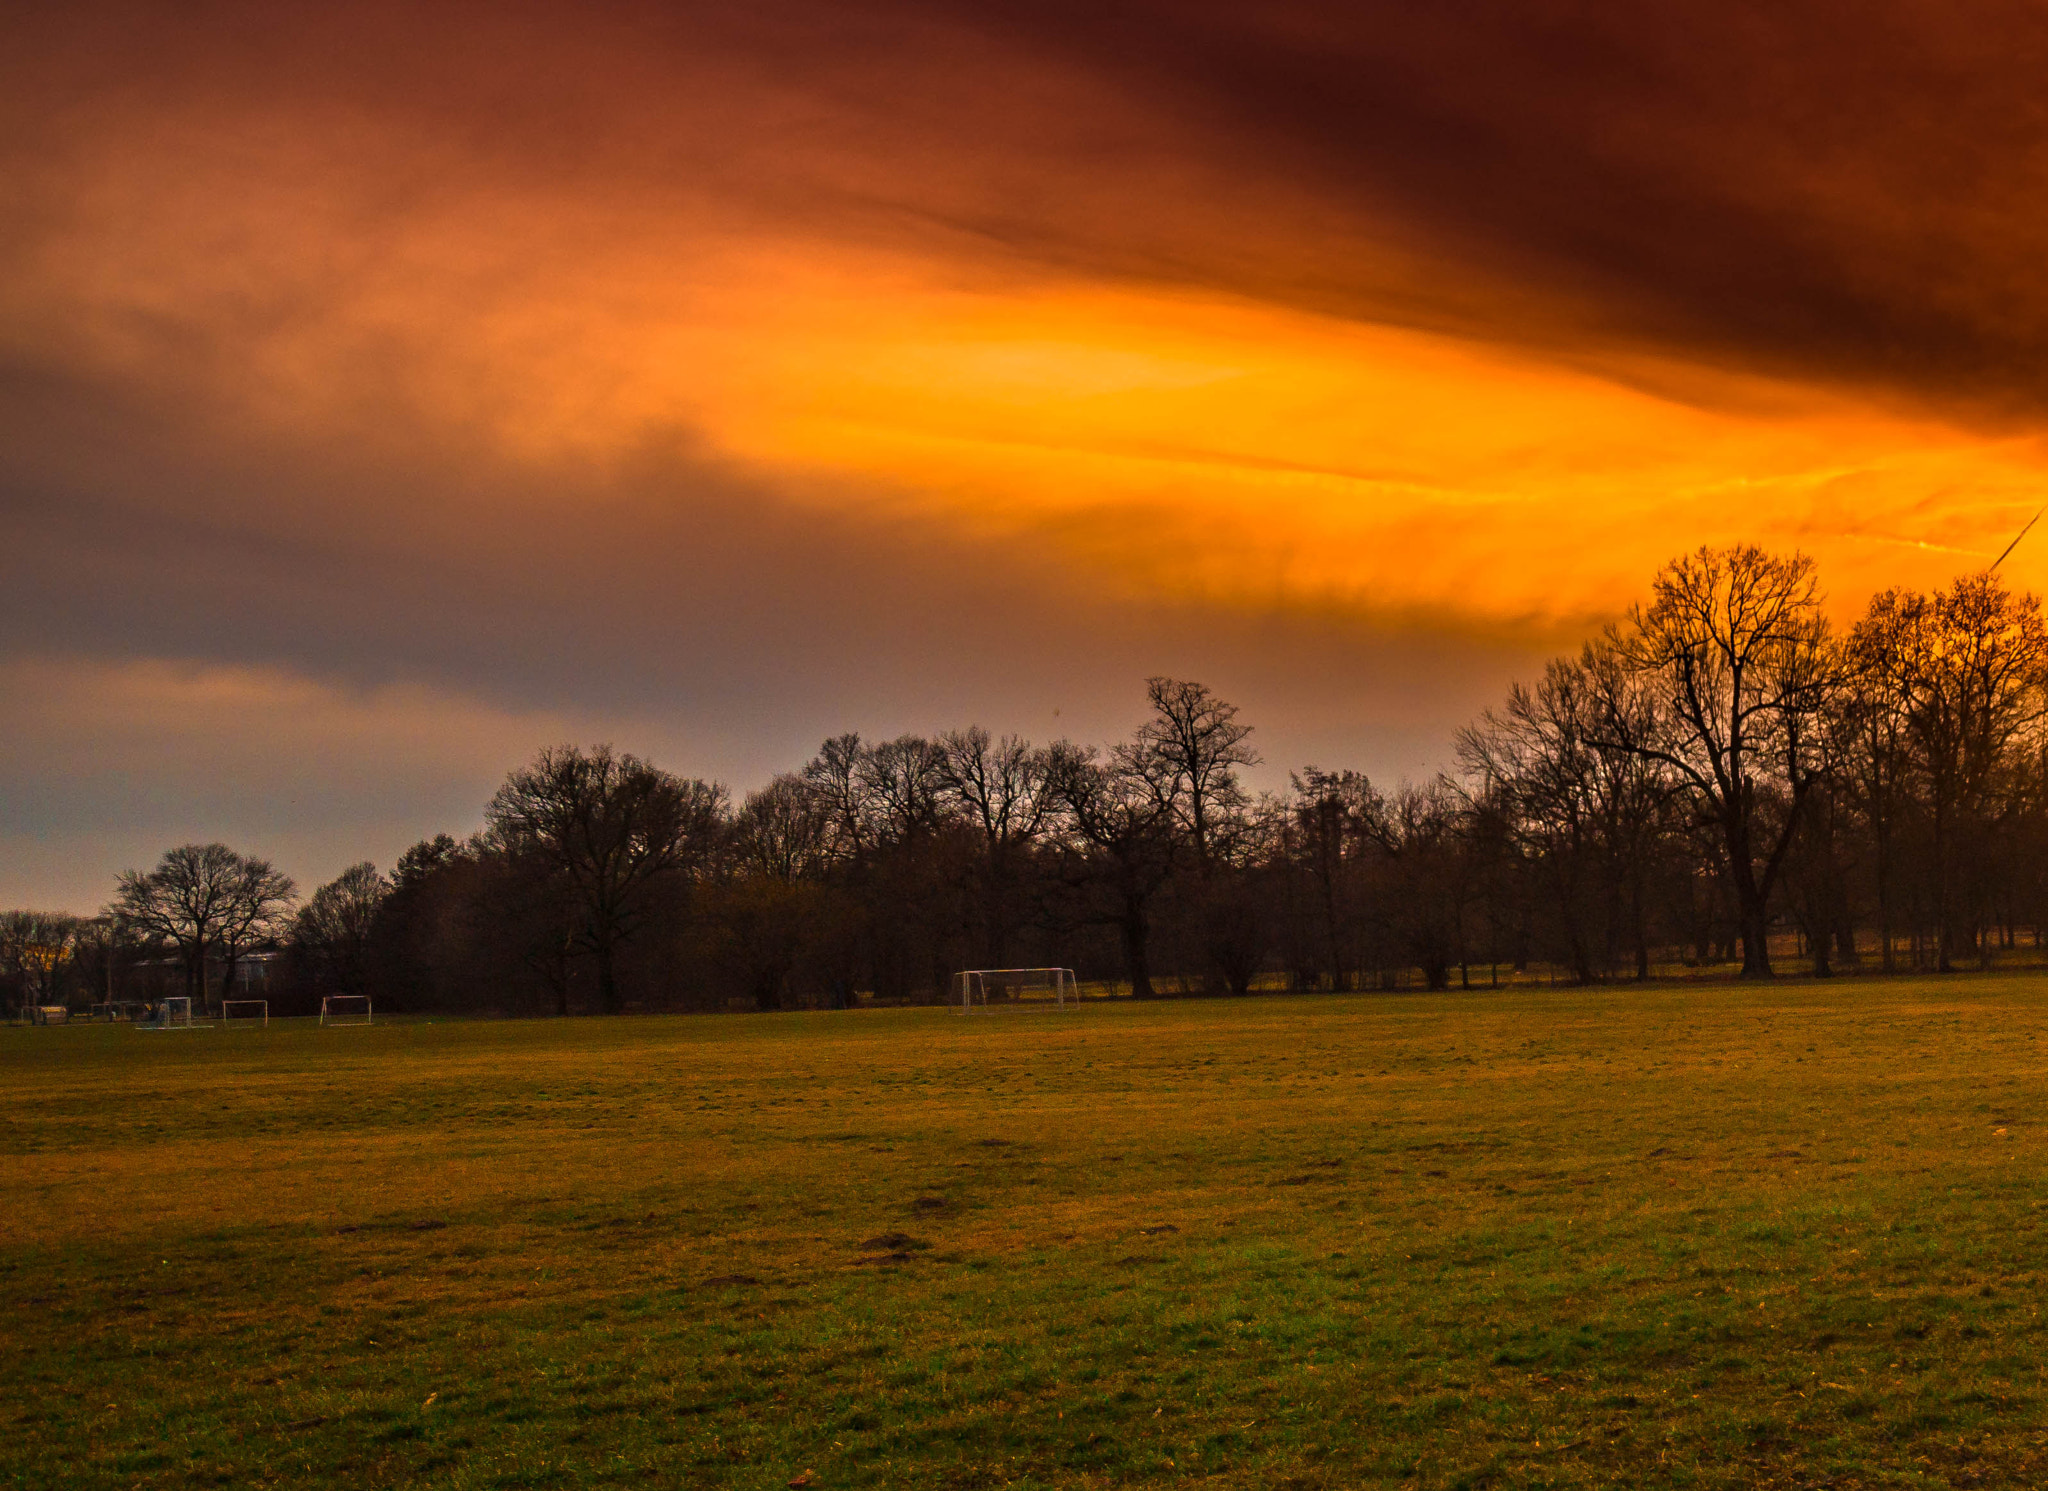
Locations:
column 1001, row 791
column 611, row 826
column 1737, row 656
column 1118, row 817
column 37, row 949
column 333, row 931
column 1973, row 660
column 1585, row 813
column 1195, row 741
column 203, row 898
column 1337, row 825
column 258, row 912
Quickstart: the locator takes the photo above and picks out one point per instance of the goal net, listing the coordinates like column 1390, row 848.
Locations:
column 345, row 1009
column 174, row 1013
column 245, row 1012
column 1017, row 988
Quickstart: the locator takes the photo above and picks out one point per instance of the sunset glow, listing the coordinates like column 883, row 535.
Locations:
column 739, row 376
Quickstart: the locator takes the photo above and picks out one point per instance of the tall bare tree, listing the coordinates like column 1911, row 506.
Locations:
column 36, row 947
column 203, row 898
column 259, row 909
column 1429, row 878
column 612, row 826
column 1001, row 789
column 333, row 930
column 1119, row 822
column 1196, row 740
column 1336, row 818
column 1974, row 663
column 1738, row 660
column 784, row 831
column 1874, row 746
column 833, row 777
column 902, row 785
column 1584, row 813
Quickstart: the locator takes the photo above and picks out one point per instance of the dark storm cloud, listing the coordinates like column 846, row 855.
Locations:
column 1853, row 191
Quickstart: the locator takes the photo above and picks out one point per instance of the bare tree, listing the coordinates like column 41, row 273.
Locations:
column 36, row 947
column 784, row 831
column 766, row 908
column 1002, row 790
column 1974, row 663
column 1738, row 660
column 333, row 930
column 258, row 910
column 1873, row 745
column 1430, row 878
column 612, row 826
column 1335, row 821
column 1195, row 738
column 1119, row 819
column 833, row 777
column 902, row 787
column 1583, row 813
column 183, row 903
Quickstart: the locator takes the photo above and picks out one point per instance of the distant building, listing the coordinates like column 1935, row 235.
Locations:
column 156, row 978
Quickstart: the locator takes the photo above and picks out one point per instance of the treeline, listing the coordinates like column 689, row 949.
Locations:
column 1720, row 778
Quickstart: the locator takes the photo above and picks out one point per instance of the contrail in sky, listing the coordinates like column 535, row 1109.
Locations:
column 2016, row 540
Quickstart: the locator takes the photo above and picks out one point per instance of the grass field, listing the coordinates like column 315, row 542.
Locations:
column 1712, row 1236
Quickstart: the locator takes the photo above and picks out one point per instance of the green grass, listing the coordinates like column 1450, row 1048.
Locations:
column 1710, row 1236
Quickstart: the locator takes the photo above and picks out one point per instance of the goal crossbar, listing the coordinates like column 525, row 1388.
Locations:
column 1013, row 986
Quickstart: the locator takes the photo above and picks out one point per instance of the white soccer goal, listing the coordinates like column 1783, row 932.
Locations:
column 345, row 1009
column 245, row 1012
column 171, row 1014
column 1017, row 988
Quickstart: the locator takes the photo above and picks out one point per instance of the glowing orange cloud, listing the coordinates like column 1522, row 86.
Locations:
column 520, row 352
column 1255, row 456
column 1173, row 445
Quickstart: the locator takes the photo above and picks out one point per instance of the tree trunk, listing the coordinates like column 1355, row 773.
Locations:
column 607, row 980
column 1944, row 931
column 1756, row 932
column 1639, row 929
column 1886, row 961
column 1136, row 934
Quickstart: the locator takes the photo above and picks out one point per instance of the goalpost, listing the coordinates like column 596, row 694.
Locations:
column 174, row 1013
column 345, row 1009
column 245, row 1012
column 1019, row 988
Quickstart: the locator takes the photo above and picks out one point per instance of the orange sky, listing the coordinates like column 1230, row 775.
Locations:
column 384, row 398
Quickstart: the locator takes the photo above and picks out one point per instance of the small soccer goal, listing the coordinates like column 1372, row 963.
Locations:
column 1017, row 988
column 345, row 1009
column 171, row 1014
column 245, row 1012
